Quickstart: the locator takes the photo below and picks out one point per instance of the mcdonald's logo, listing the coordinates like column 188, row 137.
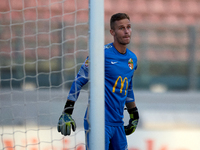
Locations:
column 122, row 84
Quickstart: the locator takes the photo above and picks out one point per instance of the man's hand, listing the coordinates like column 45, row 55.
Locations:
column 130, row 128
column 65, row 123
column 133, row 122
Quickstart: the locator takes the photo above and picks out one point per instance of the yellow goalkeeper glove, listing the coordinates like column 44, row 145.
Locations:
column 133, row 121
column 66, row 122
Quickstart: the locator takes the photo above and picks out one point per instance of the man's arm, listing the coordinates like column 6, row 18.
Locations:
column 66, row 121
column 80, row 80
column 134, row 118
column 132, row 110
column 130, row 105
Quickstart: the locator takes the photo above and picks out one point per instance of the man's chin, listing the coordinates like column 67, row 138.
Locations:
column 124, row 43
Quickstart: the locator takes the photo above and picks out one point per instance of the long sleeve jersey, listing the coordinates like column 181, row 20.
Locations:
column 119, row 71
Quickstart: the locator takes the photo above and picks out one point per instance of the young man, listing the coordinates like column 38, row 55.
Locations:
column 120, row 64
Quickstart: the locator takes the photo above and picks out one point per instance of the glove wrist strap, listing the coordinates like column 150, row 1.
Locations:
column 69, row 107
column 133, row 112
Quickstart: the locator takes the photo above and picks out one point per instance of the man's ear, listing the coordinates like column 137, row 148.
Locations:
column 112, row 32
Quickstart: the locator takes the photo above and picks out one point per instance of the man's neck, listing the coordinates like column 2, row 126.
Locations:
column 120, row 48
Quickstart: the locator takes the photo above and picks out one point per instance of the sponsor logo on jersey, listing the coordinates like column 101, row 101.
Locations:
column 114, row 62
column 122, row 84
column 130, row 63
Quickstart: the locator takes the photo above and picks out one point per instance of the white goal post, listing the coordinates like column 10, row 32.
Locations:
column 96, row 51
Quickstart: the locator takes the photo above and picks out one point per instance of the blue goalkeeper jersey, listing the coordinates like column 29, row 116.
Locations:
column 119, row 70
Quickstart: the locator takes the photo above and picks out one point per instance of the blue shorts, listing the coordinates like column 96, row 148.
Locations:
column 115, row 137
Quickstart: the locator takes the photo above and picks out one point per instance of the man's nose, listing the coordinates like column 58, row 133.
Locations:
column 126, row 30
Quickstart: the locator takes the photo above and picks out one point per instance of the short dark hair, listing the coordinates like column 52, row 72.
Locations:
column 117, row 17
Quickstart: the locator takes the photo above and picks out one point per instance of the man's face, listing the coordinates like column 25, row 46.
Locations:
column 122, row 31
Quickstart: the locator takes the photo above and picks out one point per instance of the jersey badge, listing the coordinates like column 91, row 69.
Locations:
column 87, row 63
column 130, row 63
column 108, row 46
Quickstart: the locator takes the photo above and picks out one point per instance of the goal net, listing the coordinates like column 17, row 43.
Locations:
column 43, row 44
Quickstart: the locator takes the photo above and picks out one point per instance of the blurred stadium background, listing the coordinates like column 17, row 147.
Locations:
column 43, row 44
column 36, row 38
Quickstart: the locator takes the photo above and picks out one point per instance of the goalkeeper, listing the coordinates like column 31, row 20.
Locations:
column 120, row 65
